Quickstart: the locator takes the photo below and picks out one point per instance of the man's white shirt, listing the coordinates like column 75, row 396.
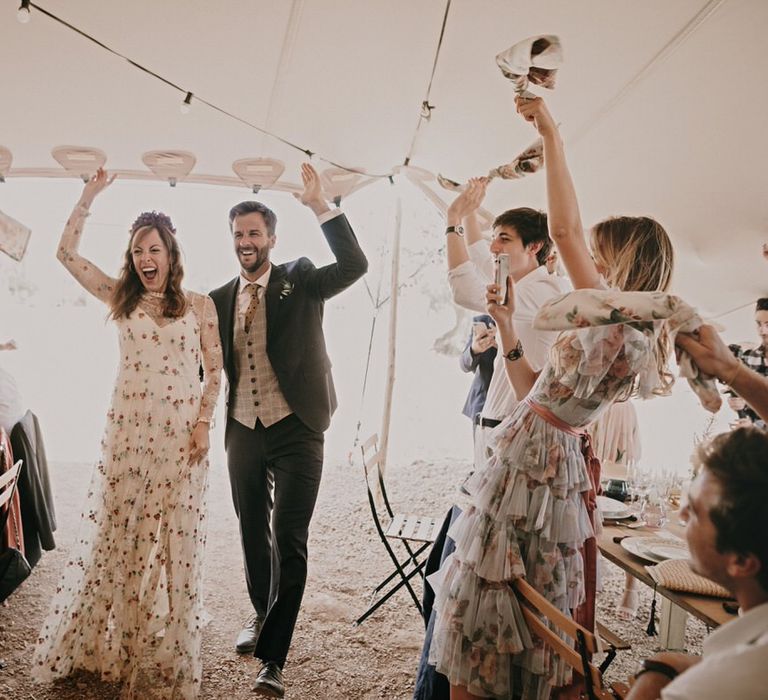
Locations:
column 468, row 283
column 734, row 663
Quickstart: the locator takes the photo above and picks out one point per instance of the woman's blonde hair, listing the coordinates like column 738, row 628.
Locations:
column 128, row 290
column 636, row 255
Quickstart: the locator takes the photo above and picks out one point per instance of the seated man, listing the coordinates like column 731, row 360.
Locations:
column 726, row 530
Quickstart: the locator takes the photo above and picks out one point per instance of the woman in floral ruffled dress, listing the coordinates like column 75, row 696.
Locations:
column 129, row 604
column 531, row 512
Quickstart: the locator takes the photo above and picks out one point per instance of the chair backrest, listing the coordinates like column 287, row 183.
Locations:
column 8, row 483
column 547, row 623
column 374, row 477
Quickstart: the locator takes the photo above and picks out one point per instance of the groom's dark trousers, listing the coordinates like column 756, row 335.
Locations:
column 287, row 459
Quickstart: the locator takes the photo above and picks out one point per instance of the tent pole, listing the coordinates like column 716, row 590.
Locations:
column 392, row 340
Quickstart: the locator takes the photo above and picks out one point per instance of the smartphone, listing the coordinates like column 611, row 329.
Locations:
column 502, row 273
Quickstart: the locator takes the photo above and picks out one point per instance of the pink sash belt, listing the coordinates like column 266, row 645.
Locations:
column 552, row 419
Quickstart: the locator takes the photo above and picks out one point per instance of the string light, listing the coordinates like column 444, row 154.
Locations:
column 185, row 106
column 23, row 14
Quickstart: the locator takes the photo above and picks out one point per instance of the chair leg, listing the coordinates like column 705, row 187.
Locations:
column 414, row 555
column 403, row 564
column 404, row 582
column 582, row 643
column 610, row 656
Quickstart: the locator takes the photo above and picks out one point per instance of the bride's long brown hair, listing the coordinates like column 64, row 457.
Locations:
column 129, row 287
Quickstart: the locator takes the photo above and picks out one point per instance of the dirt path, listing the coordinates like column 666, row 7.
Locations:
column 329, row 659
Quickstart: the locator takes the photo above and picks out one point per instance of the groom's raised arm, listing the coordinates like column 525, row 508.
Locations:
column 351, row 263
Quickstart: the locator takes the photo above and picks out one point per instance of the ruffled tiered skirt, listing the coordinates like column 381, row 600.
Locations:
column 527, row 518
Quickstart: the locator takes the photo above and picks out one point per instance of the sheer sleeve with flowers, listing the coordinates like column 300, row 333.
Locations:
column 609, row 321
column 93, row 279
column 210, row 345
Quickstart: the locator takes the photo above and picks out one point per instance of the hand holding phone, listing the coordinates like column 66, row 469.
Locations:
column 501, row 276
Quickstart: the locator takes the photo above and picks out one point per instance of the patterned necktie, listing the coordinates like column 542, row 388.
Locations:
column 250, row 312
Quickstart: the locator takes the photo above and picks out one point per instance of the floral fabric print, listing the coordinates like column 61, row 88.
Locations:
column 129, row 603
column 528, row 514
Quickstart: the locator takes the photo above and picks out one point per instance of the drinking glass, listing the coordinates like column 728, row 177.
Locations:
column 653, row 511
column 638, row 482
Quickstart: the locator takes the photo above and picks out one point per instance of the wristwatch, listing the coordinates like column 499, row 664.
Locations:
column 515, row 353
column 458, row 230
column 653, row 666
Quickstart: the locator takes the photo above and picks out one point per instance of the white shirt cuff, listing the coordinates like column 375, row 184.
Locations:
column 328, row 215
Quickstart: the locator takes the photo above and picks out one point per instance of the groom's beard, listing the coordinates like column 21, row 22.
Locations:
column 253, row 262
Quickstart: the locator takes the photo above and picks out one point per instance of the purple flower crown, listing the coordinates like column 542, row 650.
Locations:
column 156, row 219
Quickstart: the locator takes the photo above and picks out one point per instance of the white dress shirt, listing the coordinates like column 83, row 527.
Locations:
column 244, row 295
column 734, row 663
column 468, row 283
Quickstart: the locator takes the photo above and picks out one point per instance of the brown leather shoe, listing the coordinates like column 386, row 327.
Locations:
column 249, row 635
column 269, row 682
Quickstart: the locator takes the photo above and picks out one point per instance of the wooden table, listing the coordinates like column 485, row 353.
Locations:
column 675, row 605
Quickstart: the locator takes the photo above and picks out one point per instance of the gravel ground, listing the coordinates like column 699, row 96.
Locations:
column 329, row 659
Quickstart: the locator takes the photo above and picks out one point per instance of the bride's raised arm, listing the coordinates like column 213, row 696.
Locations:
column 84, row 271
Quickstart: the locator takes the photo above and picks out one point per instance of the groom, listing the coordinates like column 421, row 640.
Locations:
column 280, row 398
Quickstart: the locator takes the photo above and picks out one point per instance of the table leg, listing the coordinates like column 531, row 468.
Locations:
column 672, row 625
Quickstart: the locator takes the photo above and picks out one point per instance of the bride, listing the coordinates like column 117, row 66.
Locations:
column 130, row 596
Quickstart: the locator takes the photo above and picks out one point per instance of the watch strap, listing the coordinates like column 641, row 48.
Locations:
column 515, row 353
column 653, row 666
column 458, row 230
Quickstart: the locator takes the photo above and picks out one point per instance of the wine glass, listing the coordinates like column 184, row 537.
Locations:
column 638, row 482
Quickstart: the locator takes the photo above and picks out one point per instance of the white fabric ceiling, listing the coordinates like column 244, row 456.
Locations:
column 662, row 104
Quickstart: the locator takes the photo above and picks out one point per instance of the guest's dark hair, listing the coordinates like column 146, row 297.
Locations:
column 531, row 226
column 739, row 461
column 254, row 207
column 762, row 304
column 128, row 290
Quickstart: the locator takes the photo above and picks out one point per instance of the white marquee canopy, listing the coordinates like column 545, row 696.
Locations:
column 662, row 104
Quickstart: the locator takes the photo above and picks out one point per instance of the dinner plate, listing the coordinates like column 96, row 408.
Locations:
column 612, row 509
column 634, row 545
column 663, row 548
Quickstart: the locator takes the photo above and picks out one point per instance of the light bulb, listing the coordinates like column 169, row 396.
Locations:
column 185, row 106
column 23, row 14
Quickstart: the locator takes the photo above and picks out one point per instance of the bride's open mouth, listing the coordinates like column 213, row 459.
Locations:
column 149, row 273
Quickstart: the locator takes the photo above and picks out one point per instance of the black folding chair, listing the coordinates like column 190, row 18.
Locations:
column 412, row 534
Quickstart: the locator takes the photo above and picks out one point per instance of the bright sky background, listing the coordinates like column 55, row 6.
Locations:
column 66, row 361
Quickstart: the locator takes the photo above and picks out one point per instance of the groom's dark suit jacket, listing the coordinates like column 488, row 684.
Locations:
column 295, row 297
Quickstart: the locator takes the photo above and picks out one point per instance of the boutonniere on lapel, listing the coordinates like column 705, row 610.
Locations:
column 286, row 289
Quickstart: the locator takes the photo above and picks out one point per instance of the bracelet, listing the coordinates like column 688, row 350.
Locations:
column 84, row 211
column 735, row 372
column 653, row 666
column 515, row 353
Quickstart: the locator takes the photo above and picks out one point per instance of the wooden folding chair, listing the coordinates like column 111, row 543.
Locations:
column 546, row 622
column 8, row 483
column 413, row 533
